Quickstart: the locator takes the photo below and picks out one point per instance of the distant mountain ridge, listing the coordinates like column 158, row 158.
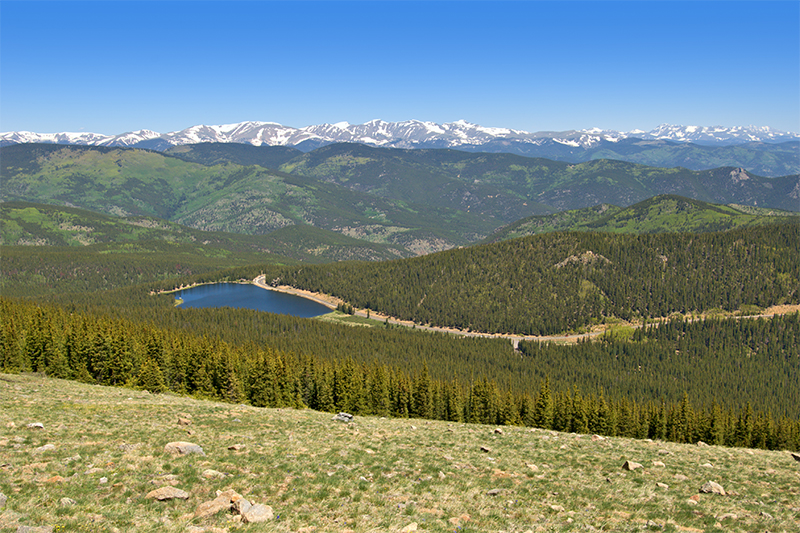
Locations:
column 405, row 134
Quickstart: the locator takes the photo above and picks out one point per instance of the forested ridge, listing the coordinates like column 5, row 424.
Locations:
column 551, row 283
column 116, row 351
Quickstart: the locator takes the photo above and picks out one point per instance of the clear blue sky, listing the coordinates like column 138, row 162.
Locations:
column 111, row 67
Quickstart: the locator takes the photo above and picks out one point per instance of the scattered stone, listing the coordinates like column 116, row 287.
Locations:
column 727, row 516
column 494, row 492
column 532, row 467
column 213, row 474
column 103, row 480
column 702, row 444
column 55, row 479
column 691, row 502
column 45, row 448
column 409, row 528
column 485, row 449
column 236, row 447
column 442, row 475
column 184, row 421
column 343, row 417
column 630, row 465
column 659, row 463
column 68, row 460
column 11, row 425
column 711, row 487
column 183, row 448
column 664, row 452
column 681, row 477
column 651, row 524
column 223, row 501
column 167, row 493
column 66, row 502
column 35, row 425
column 764, row 514
column 597, row 437
column 706, row 465
column 257, row 513
column 498, row 431
column 795, row 456
column 557, row 508
column 242, row 506
column 662, row 485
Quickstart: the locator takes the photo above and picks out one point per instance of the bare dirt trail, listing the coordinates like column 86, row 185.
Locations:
column 332, row 302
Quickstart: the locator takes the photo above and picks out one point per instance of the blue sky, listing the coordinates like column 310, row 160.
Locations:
column 111, row 67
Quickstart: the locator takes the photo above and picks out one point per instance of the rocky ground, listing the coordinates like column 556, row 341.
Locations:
column 75, row 457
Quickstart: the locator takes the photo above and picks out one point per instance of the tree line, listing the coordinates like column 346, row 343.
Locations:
column 97, row 348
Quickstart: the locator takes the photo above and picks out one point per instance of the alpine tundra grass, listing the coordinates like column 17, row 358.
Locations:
column 101, row 450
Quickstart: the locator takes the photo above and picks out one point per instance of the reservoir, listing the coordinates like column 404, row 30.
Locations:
column 248, row 296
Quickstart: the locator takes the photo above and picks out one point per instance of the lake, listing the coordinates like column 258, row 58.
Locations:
column 248, row 296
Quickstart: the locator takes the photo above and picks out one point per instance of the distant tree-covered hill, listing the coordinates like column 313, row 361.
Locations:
column 554, row 282
column 660, row 214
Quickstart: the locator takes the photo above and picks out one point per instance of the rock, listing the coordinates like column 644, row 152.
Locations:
column 681, row 477
column 711, row 487
column 664, row 452
column 796, row 456
column 343, row 417
column 485, row 449
column 167, row 493
column 242, row 506
column 557, row 508
column 409, row 528
column 532, row 467
column 257, row 513
column 236, row 447
column 223, row 501
column 35, row 425
column 45, row 448
column 706, row 465
column 103, row 480
column 68, row 460
column 442, row 475
column 630, row 465
column 494, row 492
column 183, row 448
column 213, row 474
column 728, row 516
column 662, row 485
column 184, row 421
column 595, row 438
column 702, row 444
column 659, row 463
column 66, row 502
column 498, row 431
column 764, row 514
column 11, row 425
column 55, row 479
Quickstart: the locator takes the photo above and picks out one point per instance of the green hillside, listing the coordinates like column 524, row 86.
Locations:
column 660, row 214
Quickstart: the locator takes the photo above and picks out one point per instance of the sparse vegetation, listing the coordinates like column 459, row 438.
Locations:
column 373, row 474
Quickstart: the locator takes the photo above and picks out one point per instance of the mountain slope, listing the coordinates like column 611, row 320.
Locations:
column 511, row 187
column 224, row 197
column 664, row 213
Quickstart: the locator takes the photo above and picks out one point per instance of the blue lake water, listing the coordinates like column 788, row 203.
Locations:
column 250, row 297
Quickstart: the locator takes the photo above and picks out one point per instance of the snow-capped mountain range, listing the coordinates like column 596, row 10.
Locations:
column 406, row 134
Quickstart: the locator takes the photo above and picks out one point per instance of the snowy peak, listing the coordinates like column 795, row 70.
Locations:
column 406, row 134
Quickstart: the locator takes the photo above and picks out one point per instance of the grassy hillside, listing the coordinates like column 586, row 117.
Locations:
column 101, row 450
column 664, row 213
